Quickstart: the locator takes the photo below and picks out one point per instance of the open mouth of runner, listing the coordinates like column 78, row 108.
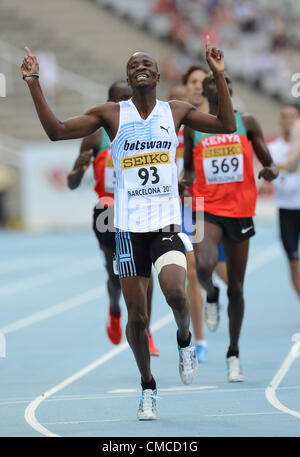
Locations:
column 142, row 77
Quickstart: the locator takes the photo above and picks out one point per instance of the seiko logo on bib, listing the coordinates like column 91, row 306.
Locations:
column 142, row 160
column 222, row 151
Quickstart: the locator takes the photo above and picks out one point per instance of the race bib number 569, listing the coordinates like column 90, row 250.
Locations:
column 147, row 174
column 223, row 164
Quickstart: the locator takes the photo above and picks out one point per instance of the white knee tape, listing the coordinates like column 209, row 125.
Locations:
column 170, row 258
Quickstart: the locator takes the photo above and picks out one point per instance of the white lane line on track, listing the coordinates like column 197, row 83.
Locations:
column 271, row 252
column 66, row 305
column 57, row 274
column 270, row 391
column 31, row 408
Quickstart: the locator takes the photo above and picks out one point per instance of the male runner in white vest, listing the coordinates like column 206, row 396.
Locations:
column 147, row 213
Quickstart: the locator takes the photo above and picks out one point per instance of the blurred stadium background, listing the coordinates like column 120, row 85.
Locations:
column 83, row 46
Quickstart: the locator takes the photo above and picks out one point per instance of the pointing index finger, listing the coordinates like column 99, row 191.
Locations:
column 207, row 41
column 28, row 51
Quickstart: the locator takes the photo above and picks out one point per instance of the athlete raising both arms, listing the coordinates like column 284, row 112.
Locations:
column 95, row 149
column 147, row 215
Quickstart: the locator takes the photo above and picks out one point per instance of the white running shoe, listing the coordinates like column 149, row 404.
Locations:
column 212, row 314
column 188, row 364
column 147, row 407
column 234, row 373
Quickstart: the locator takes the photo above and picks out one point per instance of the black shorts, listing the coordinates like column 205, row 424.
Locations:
column 237, row 229
column 135, row 252
column 103, row 227
column 289, row 222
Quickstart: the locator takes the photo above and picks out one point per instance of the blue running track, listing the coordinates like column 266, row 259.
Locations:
column 62, row 377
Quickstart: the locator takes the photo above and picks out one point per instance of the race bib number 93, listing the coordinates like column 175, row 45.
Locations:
column 147, row 174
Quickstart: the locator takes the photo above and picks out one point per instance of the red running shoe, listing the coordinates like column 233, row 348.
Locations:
column 114, row 328
column 152, row 348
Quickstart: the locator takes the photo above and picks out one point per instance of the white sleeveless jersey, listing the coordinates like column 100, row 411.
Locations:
column 287, row 185
column 143, row 151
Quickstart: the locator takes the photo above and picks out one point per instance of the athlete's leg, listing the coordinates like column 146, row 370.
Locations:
column 236, row 259
column 195, row 305
column 195, row 298
column 168, row 256
column 206, row 253
column 134, row 267
column 221, row 270
column 172, row 282
column 295, row 275
column 135, row 294
column 106, row 240
column 289, row 222
column 149, row 301
column 113, row 282
column 113, row 325
column 154, row 351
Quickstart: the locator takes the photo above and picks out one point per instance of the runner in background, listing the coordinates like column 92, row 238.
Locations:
column 284, row 150
column 95, row 149
column 294, row 151
column 191, row 90
column 225, row 178
column 192, row 80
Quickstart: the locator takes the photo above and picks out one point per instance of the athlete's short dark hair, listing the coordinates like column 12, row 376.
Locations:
column 142, row 52
column 114, row 87
column 210, row 77
column 185, row 76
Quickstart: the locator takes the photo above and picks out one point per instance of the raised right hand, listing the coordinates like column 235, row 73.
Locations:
column 29, row 65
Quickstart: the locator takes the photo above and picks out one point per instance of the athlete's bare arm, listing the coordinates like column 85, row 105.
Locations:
column 255, row 135
column 89, row 147
column 189, row 115
column 106, row 114
column 187, row 176
column 294, row 152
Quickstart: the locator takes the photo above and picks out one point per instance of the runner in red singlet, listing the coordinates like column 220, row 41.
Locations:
column 225, row 178
column 95, row 148
column 192, row 80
